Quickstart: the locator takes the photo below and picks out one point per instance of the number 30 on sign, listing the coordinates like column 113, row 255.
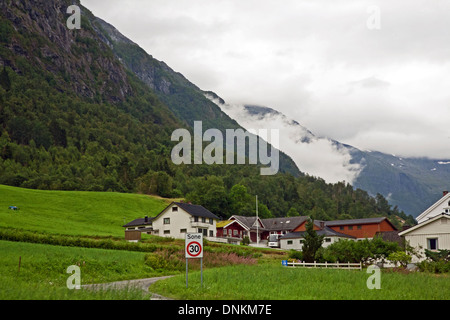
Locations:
column 194, row 245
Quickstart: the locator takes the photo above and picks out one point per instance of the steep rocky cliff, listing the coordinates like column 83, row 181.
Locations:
column 77, row 59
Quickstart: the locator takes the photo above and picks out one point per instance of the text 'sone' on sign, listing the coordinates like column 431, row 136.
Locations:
column 194, row 245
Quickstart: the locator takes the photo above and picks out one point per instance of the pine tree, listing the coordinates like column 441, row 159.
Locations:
column 312, row 242
column 5, row 82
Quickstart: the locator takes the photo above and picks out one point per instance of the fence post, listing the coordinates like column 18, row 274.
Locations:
column 337, row 264
column 326, row 264
column 348, row 264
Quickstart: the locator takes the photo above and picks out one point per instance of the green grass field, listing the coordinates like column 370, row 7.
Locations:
column 74, row 212
column 42, row 273
column 275, row 282
column 70, row 217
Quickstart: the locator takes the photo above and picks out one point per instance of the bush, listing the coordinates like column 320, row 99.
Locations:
column 400, row 257
column 359, row 251
column 438, row 261
column 294, row 254
column 434, row 266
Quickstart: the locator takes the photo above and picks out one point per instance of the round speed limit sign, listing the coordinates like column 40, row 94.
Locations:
column 194, row 245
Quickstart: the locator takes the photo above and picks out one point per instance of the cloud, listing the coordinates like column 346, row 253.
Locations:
column 315, row 61
column 313, row 155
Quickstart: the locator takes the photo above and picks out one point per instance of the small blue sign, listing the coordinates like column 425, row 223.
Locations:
column 284, row 263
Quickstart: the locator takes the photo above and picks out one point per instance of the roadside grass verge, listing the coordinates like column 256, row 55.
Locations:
column 43, row 276
column 274, row 282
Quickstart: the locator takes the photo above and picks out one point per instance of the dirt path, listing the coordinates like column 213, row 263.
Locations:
column 143, row 284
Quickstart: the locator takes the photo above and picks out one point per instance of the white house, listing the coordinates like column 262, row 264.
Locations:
column 294, row 240
column 177, row 219
column 433, row 229
column 441, row 206
column 432, row 234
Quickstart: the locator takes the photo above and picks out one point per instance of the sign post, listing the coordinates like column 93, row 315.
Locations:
column 193, row 248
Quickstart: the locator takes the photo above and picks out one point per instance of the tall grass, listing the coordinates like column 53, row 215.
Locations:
column 42, row 273
column 271, row 282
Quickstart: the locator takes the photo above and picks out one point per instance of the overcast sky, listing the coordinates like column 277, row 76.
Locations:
column 373, row 74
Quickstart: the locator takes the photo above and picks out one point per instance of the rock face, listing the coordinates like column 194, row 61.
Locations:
column 78, row 59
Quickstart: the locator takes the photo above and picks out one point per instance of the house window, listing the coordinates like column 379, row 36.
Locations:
column 174, row 209
column 235, row 232
column 359, row 227
column 432, row 244
column 166, row 231
column 350, row 227
column 166, row 220
column 183, row 230
column 327, row 239
column 210, row 221
column 289, row 242
column 195, row 219
column 341, row 228
column 203, row 219
column 211, row 233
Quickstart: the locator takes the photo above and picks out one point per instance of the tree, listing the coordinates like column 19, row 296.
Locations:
column 292, row 212
column 5, row 82
column 312, row 242
column 240, row 201
column 400, row 257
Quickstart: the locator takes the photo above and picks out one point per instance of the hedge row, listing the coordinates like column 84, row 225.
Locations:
column 73, row 241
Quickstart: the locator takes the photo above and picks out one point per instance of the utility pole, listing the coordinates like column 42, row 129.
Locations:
column 257, row 224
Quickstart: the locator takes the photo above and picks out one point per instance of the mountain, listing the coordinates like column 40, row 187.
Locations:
column 412, row 184
column 188, row 102
column 89, row 110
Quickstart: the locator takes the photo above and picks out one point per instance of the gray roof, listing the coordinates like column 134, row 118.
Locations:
column 283, row 224
column 272, row 224
column 196, row 210
column 139, row 222
column 354, row 221
column 328, row 232
column 248, row 221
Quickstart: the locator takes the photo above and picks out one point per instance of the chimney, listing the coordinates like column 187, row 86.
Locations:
column 146, row 219
column 322, row 224
column 445, row 193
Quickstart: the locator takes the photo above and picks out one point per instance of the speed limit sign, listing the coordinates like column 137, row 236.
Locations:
column 194, row 245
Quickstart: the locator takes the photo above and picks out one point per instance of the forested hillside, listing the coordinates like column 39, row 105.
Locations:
column 73, row 117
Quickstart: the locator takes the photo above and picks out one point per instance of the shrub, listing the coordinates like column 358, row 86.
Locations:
column 434, row 266
column 294, row 254
column 400, row 257
column 359, row 251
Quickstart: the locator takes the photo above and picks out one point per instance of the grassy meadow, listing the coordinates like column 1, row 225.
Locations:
column 74, row 212
column 275, row 282
column 42, row 273
column 56, row 229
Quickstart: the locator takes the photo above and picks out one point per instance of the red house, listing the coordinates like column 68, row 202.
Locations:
column 233, row 230
column 358, row 228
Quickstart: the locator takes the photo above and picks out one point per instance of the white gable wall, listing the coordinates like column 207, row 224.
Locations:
column 441, row 206
column 420, row 236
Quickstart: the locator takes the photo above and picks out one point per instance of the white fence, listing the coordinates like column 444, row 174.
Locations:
column 337, row 265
